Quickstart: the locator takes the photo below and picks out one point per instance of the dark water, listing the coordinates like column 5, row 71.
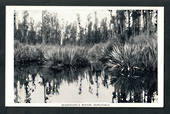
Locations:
column 40, row 84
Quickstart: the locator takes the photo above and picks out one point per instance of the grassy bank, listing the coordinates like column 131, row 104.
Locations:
column 54, row 56
column 138, row 53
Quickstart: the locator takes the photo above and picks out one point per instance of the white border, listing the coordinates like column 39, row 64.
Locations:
column 9, row 69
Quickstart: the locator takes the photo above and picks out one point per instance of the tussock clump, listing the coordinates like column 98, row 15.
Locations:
column 133, row 56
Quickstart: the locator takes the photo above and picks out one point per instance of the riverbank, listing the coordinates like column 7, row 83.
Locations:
column 138, row 53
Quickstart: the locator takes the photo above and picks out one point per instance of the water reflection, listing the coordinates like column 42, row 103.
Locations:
column 39, row 84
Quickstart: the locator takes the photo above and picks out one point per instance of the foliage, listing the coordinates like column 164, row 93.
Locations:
column 55, row 56
column 123, row 44
column 69, row 56
column 27, row 53
column 133, row 56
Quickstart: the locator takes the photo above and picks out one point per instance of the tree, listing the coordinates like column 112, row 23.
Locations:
column 57, row 32
column 104, row 30
column 25, row 27
column 73, row 33
column 70, row 34
column 81, row 31
column 15, row 29
column 121, row 20
column 89, row 29
column 96, row 38
column 136, row 20
column 129, row 33
column 51, row 32
column 31, row 34
column 45, row 26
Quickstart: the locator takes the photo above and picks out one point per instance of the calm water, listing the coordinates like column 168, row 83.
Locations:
column 39, row 84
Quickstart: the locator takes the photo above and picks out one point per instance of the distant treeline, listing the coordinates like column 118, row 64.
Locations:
column 124, row 25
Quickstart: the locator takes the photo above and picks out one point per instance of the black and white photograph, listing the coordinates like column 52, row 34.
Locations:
column 84, row 56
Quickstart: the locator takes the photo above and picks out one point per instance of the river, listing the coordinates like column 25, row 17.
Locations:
column 39, row 84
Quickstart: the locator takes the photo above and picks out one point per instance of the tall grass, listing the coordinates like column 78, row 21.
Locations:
column 137, row 53
column 96, row 52
column 132, row 56
column 74, row 56
column 96, row 55
column 54, row 55
column 27, row 53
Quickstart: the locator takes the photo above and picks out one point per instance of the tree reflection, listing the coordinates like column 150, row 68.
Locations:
column 128, row 87
column 134, row 88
